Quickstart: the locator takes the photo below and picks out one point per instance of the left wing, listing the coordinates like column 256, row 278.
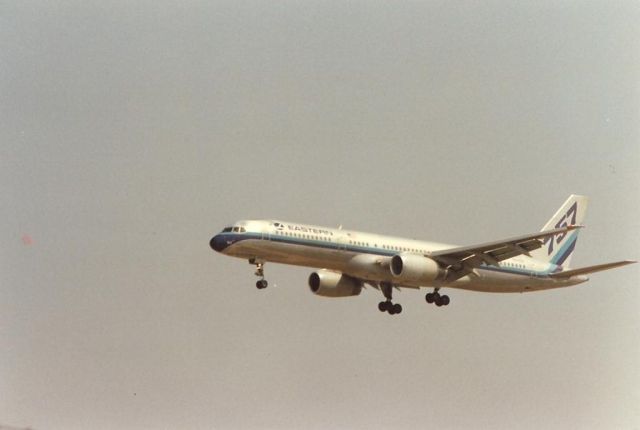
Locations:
column 461, row 261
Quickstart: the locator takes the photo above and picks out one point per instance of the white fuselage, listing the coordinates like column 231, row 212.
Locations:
column 366, row 256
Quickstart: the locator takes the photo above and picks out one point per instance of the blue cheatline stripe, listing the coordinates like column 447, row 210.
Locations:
column 565, row 250
column 235, row 238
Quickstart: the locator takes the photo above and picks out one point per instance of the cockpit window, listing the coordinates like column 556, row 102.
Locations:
column 226, row 229
column 239, row 230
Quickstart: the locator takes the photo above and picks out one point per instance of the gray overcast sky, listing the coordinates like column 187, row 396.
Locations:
column 132, row 132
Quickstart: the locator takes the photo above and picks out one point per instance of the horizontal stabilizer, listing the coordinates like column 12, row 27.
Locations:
column 590, row 269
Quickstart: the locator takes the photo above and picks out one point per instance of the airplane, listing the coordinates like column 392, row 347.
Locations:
column 347, row 260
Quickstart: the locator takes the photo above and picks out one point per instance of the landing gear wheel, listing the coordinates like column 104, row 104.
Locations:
column 384, row 306
column 261, row 283
column 387, row 305
column 437, row 299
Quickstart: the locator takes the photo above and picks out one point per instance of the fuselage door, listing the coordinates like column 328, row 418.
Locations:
column 341, row 240
column 267, row 230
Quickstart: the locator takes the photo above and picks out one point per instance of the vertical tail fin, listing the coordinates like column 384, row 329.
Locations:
column 559, row 249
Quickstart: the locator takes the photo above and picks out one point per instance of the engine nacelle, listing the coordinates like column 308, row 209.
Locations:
column 331, row 284
column 414, row 269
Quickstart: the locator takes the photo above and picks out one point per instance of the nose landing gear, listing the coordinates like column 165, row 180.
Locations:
column 261, row 283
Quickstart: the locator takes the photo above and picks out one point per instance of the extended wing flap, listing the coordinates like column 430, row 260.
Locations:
column 591, row 269
column 494, row 252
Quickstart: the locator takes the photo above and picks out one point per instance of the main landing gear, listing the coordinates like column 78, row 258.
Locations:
column 387, row 305
column 436, row 298
column 261, row 283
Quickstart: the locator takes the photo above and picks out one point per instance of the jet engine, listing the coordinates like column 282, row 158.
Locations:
column 331, row 284
column 414, row 269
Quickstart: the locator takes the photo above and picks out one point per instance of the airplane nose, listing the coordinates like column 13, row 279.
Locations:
column 217, row 243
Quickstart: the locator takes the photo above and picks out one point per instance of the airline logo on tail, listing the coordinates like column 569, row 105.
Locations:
column 558, row 250
column 569, row 218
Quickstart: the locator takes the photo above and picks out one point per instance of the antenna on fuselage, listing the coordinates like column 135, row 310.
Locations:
column 340, row 227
